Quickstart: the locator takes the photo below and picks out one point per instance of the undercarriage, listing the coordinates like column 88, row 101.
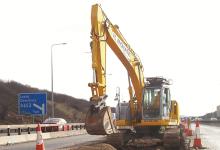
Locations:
column 169, row 139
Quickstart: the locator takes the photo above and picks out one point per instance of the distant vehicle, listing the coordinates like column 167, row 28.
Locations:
column 199, row 119
column 60, row 122
column 213, row 119
column 55, row 121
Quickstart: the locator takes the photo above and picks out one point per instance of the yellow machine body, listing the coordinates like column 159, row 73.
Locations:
column 104, row 33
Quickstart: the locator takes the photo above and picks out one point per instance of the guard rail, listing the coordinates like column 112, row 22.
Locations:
column 28, row 128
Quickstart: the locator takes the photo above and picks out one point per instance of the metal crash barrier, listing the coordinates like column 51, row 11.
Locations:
column 9, row 130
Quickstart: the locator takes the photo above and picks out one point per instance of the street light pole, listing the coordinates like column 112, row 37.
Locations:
column 118, row 98
column 52, row 98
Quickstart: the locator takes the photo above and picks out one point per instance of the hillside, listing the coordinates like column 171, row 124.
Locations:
column 70, row 108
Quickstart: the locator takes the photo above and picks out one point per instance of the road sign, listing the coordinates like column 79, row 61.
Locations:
column 32, row 104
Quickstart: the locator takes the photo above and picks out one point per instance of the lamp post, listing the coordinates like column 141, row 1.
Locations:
column 118, row 98
column 52, row 99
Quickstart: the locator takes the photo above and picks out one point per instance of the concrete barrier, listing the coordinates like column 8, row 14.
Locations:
column 5, row 140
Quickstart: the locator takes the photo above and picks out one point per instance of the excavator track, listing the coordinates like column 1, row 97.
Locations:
column 119, row 139
column 116, row 139
column 172, row 139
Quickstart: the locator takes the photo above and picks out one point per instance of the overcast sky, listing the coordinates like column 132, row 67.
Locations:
column 175, row 39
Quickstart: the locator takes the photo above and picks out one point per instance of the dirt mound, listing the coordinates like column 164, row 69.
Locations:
column 101, row 146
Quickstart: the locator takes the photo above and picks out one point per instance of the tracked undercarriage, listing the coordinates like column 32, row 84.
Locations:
column 170, row 139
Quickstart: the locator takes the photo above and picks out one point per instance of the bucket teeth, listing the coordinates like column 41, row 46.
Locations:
column 99, row 122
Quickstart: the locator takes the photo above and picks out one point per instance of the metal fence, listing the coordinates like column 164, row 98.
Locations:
column 9, row 130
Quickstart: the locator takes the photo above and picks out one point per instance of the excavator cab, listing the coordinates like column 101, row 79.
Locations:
column 156, row 99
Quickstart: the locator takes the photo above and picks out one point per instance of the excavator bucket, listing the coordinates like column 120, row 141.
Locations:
column 100, row 122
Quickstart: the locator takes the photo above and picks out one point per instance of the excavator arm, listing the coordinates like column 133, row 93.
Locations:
column 104, row 33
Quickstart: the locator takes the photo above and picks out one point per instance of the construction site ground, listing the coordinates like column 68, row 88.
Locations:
column 104, row 146
column 189, row 140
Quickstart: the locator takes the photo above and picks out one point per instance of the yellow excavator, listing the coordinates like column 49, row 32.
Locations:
column 150, row 110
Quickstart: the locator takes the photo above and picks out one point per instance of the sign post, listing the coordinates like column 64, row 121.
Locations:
column 34, row 104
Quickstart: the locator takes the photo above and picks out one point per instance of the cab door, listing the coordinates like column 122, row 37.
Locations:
column 166, row 102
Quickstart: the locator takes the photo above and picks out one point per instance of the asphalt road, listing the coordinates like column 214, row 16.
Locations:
column 53, row 144
column 210, row 136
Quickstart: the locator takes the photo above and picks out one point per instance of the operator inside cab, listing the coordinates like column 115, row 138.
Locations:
column 151, row 102
column 156, row 101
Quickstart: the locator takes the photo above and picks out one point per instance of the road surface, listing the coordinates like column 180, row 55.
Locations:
column 210, row 136
column 53, row 144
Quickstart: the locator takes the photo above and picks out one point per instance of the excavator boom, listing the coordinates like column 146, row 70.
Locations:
column 104, row 33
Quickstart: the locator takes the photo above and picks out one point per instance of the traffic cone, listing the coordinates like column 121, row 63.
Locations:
column 185, row 126
column 40, row 142
column 189, row 132
column 197, row 140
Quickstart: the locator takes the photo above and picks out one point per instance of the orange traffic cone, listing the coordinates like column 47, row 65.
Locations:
column 185, row 126
column 40, row 142
column 189, row 132
column 197, row 140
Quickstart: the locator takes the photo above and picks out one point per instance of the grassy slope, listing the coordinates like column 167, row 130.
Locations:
column 70, row 108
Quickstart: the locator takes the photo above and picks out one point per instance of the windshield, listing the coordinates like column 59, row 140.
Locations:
column 151, row 102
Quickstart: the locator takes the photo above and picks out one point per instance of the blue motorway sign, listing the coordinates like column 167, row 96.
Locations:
column 32, row 103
